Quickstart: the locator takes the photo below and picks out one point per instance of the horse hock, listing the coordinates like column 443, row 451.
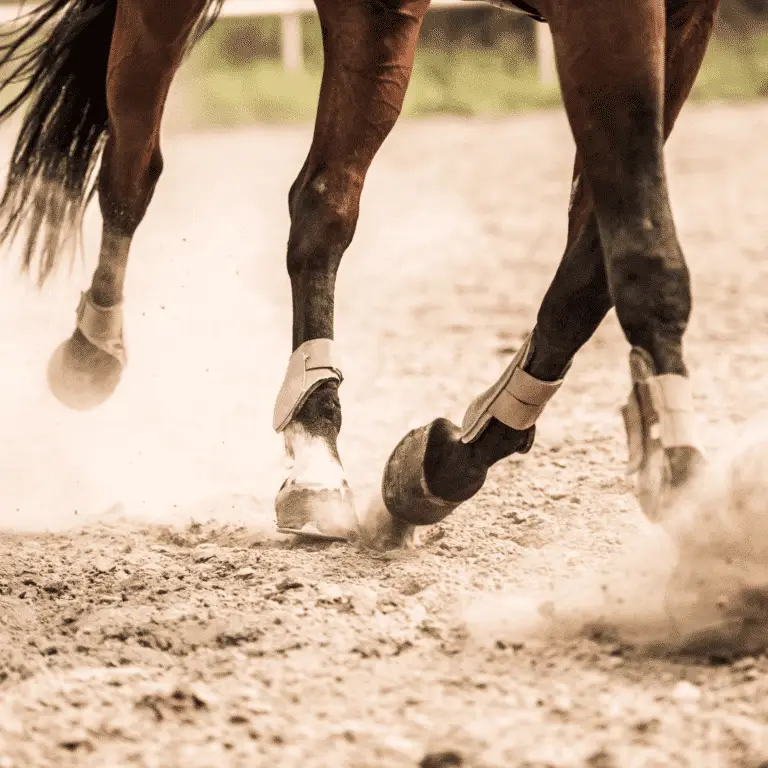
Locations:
column 315, row 500
column 85, row 370
column 515, row 401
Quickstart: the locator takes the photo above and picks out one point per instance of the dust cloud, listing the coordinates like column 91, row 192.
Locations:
column 698, row 585
column 187, row 434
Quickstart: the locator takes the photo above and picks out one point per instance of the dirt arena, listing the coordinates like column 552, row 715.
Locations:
column 150, row 616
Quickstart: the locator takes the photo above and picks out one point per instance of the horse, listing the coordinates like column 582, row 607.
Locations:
column 96, row 74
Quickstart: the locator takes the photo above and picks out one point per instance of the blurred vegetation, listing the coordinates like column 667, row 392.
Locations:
column 236, row 76
column 472, row 61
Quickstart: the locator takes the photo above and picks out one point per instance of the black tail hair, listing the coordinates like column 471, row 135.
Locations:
column 59, row 52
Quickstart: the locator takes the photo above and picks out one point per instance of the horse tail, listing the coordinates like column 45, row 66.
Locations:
column 59, row 53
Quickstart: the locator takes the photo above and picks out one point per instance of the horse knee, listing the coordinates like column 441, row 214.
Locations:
column 323, row 220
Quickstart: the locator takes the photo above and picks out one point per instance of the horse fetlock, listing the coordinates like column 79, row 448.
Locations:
column 663, row 447
column 312, row 364
column 516, row 399
column 102, row 327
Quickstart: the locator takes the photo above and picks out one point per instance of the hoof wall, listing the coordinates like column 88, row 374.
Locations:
column 316, row 513
column 404, row 487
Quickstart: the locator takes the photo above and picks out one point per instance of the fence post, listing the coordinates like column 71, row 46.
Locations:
column 545, row 55
column 292, row 42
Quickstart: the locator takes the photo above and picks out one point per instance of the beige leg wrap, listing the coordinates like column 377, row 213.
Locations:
column 102, row 326
column 669, row 416
column 659, row 415
column 309, row 366
column 517, row 399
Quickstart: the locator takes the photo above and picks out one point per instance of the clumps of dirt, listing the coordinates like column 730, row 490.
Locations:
column 180, row 703
column 442, row 760
column 696, row 586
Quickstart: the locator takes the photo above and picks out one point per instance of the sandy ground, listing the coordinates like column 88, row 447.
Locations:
column 151, row 617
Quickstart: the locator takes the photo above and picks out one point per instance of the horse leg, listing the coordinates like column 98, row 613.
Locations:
column 434, row 469
column 618, row 116
column 688, row 31
column 148, row 43
column 368, row 49
column 437, row 467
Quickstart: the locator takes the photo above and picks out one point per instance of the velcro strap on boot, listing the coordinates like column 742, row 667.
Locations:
column 517, row 399
column 672, row 398
column 309, row 366
column 671, row 421
column 102, row 326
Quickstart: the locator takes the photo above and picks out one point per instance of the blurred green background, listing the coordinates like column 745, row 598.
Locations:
column 470, row 61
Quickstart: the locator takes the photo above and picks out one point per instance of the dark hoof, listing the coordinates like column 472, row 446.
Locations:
column 404, row 486
column 82, row 376
column 316, row 512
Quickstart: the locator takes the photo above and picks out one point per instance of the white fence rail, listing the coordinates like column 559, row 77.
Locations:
column 290, row 12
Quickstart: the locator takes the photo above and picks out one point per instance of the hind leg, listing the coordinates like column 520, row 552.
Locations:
column 369, row 46
column 568, row 304
column 618, row 115
column 147, row 46
column 434, row 469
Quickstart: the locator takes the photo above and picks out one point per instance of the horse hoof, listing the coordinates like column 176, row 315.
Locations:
column 80, row 375
column 315, row 512
column 404, row 486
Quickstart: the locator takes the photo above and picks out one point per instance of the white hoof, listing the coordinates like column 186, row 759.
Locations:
column 315, row 501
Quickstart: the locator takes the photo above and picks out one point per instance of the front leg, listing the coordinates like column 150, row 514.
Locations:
column 369, row 47
column 436, row 468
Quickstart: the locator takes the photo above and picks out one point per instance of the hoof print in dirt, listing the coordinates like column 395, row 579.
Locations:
column 442, row 760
